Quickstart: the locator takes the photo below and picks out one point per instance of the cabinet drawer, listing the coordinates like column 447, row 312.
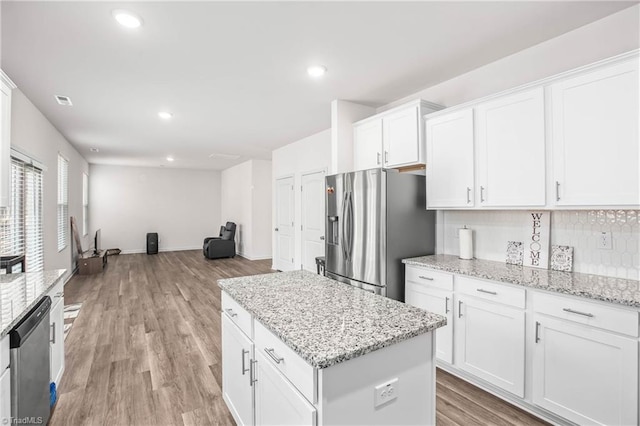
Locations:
column 237, row 314
column 283, row 358
column 593, row 314
column 494, row 292
column 4, row 353
column 441, row 280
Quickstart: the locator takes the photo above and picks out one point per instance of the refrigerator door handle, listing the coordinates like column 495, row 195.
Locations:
column 350, row 226
column 343, row 230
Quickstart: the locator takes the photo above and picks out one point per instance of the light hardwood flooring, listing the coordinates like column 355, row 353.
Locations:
column 145, row 349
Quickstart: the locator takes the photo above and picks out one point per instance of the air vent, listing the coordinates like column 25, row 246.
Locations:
column 64, row 100
column 94, row 149
column 224, row 156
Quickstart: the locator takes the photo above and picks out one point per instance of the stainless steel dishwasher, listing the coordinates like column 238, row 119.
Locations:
column 30, row 370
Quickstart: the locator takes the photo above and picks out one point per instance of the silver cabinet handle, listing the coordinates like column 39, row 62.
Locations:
column 584, row 314
column 482, row 194
column 459, row 308
column 231, row 313
column 378, row 158
column 276, row 229
column 557, row 191
column 386, row 157
column 425, row 278
column 322, row 238
column 244, row 370
column 446, row 305
column 252, row 372
column 537, row 331
column 59, row 294
column 53, row 333
column 273, row 355
column 482, row 290
column 468, row 195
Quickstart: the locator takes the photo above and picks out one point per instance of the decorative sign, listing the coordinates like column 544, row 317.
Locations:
column 561, row 258
column 536, row 240
column 514, row 253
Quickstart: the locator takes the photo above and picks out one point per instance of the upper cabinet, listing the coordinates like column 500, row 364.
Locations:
column 511, row 150
column 595, row 137
column 450, row 180
column 5, row 141
column 570, row 141
column 392, row 139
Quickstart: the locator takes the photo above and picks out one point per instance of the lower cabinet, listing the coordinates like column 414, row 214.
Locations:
column 56, row 333
column 237, row 386
column 490, row 342
column 277, row 401
column 5, row 381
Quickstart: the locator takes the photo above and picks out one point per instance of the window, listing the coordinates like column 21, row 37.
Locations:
column 63, row 203
column 85, row 204
column 22, row 232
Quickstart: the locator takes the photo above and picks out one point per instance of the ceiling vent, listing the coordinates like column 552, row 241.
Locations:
column 224, row 156
column 64, row 100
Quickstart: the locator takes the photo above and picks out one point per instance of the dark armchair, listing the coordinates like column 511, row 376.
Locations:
column 222, row 246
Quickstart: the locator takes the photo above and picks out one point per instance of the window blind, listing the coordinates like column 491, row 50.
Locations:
column 63, row 203
column 22, row 233
column 85, row 204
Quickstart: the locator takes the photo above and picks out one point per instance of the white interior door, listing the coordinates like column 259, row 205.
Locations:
column 284, row 230
column 312, row 219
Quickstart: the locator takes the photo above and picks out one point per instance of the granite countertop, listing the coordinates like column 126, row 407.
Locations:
column 597, row 287
column 21, row 292
column 324, row 321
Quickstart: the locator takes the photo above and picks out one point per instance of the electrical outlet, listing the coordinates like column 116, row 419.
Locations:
column 385, row 392
column 604, row 241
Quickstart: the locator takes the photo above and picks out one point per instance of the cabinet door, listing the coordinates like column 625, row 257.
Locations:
column 401, row 138
column 595, row 137
column 5, row 145
column 440, row 302
column 237, row 389
column 278, row 402
column 56, row 347
column 367, row 145
column 5, row 396
column 490, row 342
column 450, row 179
column 583, row 374
column 511, row 150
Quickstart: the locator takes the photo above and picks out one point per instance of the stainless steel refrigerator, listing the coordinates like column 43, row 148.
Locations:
column 374, row 219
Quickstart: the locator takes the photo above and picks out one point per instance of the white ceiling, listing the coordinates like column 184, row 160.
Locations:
column 234, row 74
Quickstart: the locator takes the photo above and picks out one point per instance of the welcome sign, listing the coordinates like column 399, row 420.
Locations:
column 536, row 240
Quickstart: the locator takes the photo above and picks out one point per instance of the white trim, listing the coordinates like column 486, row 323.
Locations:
column 144, row 250
column 27, row 158
column 410, row 104
column 6, row 80
column 253, row 257
column 541, row 82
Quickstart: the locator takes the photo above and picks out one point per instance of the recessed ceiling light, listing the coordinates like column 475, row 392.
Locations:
column 169, row 158
column 165, row 115
column 127, row 19
column 94, row 150
column 317, row 70
column 63, row 100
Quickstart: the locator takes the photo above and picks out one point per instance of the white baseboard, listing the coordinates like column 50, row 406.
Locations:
column 139, row 251
column 254, row 257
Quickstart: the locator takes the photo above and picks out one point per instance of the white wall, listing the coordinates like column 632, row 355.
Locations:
column 182, row 206
column 343, row 115
column 610, row 36
column 34, row 135
column 246, row 197
column 312, row 153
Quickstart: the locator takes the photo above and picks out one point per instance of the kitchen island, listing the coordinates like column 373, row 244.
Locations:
column 299, row 348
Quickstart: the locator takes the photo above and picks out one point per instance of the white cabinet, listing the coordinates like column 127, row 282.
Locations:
column 433, row 292
column 367, row 145
column 595, row 137
column 392, row 139
column 511, row 150
column 585, row 360
column 401, row 141
column 450, row 169
column 490, row 342
column 277, row 401
column 237, row 386
column 5, row 140
column 56, row 333
column 5, row 381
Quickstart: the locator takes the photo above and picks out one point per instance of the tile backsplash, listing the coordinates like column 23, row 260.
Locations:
column 576, row 228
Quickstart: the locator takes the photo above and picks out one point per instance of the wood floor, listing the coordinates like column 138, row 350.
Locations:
column 145, row 349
